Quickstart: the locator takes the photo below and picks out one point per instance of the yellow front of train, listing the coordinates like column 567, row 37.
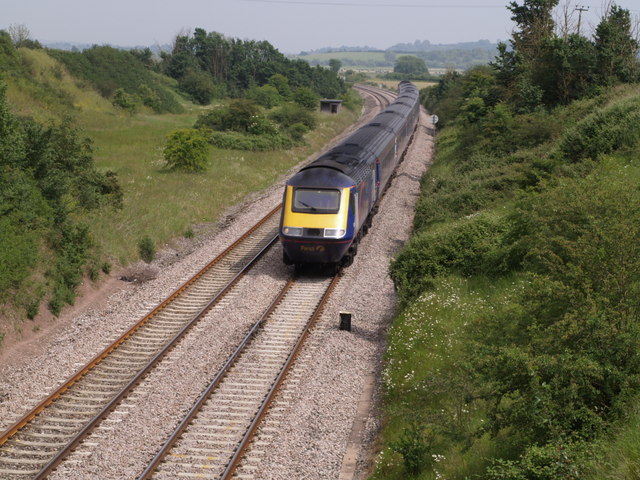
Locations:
column 317, row 222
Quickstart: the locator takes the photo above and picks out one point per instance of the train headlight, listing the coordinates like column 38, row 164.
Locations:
column 292, row 231
column 334, row 232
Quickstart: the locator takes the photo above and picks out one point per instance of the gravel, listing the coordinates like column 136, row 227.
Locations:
column 316, row 408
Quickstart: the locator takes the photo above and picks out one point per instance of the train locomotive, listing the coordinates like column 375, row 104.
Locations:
column 328, row 205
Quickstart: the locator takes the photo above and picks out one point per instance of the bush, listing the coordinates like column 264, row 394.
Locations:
column 290, row 114
column 199, row 85
column 261, row 126
column 125, row 101
column 147, row 249
column 469, row 247
column 604, row 131
column 561, row 361
column 414, row 445
column 187, row 150
column 297, row 131
column 266, row 96
column 306, row 98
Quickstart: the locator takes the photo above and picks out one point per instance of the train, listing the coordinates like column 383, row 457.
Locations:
column 328, row 205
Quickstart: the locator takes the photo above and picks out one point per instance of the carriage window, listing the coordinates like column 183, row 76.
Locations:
column 309, row 200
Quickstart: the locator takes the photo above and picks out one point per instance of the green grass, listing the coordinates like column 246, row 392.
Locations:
column 423, row 383
column 162, row 204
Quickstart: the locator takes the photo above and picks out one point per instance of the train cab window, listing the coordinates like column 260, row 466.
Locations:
column 312, row 200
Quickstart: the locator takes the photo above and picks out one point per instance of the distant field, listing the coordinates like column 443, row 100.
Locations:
column 350, row 59
column 393, row 84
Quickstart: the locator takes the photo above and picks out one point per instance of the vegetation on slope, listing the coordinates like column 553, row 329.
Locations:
column 61, row 223
column 515, row 355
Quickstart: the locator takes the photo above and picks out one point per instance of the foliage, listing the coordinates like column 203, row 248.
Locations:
column 291, row 114
column 410, row 65
column 109, row 69
column 240, row 126
column 414, row 445
column 266, row 96
column 47, row 177
column 531, row 213
column 281, row 84
column 543, row 67
column 306, row 98
column 604, row 131
column 125, row 101
column 470, row 247
column 198, row 85
column 616, row 48
column 147, row 249
column 239, row 65
column 186, row 150
column 255, row 143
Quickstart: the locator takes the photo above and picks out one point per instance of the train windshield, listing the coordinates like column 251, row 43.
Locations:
column 311, row 200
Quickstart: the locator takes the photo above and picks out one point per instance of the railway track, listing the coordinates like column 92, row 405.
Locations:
column 38, row 442
column 381, row 97
column 47, row 434
column 210, row 440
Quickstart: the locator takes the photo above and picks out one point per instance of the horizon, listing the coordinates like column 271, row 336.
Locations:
column 289, row 25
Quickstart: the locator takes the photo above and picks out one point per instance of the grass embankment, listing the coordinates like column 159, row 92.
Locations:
column 515, row 355
column 163, row 204
column 158, row 204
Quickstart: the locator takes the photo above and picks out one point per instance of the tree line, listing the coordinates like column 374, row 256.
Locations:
column 208, row 65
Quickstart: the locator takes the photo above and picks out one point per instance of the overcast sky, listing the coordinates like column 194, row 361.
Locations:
column 290, row 25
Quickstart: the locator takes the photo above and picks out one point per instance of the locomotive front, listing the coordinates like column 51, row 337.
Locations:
column 318, row 216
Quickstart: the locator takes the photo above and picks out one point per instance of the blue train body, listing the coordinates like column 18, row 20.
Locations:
column 329, row 203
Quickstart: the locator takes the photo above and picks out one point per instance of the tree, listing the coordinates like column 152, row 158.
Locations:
column 335, row 65
column 199, row 85
column 20, row 36
column 266, row 96
column 306, row 97
column 616, row 49
column 534, row 19
column 281, row 83
column 410, row 65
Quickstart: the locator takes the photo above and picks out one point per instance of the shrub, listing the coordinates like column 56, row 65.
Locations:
column 306, row 97
column 213, row 119
column 260, row 125
column 414, row 445
column 266, row 96
column 469, row 247
column 125, row 101
column 199, row 85
column 604, row 131
column 147, row 249
column 186, row 150
column 290, row 114
column 240, row 114
column 561, row 361
column 297, row 131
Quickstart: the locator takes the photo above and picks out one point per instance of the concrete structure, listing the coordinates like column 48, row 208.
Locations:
column 330, row 106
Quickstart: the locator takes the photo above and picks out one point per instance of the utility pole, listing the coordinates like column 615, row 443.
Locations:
column 581, row 9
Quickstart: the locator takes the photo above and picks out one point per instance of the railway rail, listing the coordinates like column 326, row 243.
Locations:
column 381, row 97
column 39, row 441
column 42, row 438
column 210, row 440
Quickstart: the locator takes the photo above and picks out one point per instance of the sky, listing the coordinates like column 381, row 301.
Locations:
column 291, row 26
